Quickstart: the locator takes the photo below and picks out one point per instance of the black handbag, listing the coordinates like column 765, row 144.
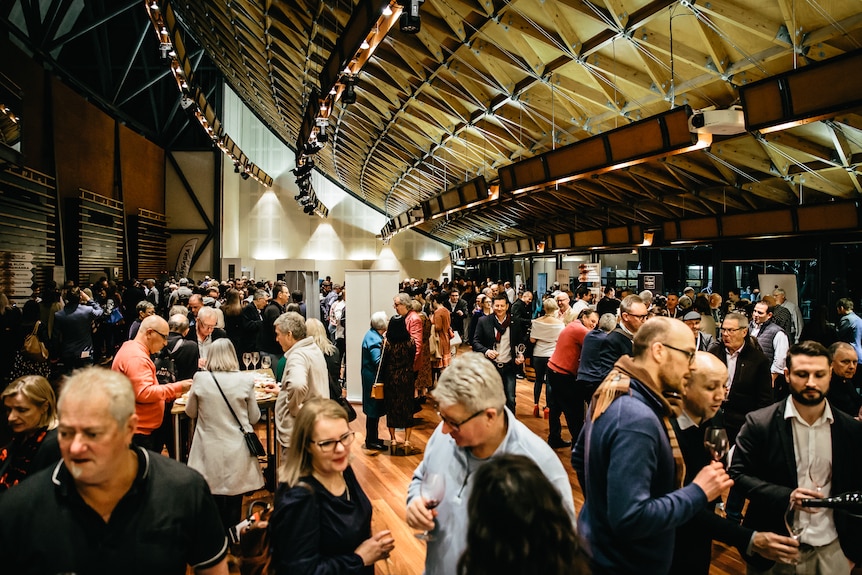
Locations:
column 252, row 441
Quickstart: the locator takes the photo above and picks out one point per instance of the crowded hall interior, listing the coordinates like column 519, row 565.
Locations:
column 601, row 262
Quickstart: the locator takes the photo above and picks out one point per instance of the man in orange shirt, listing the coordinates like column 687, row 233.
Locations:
column 134, row 361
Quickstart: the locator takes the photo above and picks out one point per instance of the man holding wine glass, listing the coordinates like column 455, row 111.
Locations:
column 797, row 449
column 475, row 426
column 629, row 462
column 703, row 438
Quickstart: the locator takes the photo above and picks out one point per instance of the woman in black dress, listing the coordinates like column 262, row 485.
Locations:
column 322, row 518
column 399, row 378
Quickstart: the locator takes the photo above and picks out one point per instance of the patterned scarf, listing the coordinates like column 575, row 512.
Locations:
column 500, row 328
column 618, row 383
column 15, row 458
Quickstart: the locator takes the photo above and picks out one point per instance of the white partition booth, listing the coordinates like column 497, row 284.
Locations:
column 366, row 291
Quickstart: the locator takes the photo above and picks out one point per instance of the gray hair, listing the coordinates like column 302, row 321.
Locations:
column 178, row 309
column 779, row 291
column 221, row 356
column 646, row 295
column 608, row 322
column 629, row 301
column 291, row 323
column 379, row 320
column 92, row 380
column 207, row 312
column 404, row 299
column 259, row 294
column 471, row 381
column 143, row 305
column 179, row 323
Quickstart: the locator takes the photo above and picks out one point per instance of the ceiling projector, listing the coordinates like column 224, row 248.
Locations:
column 717, row 122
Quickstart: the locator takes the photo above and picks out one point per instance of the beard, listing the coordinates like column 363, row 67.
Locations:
column 801, row 399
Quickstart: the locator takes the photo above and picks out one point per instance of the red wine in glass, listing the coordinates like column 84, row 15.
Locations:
column 432, row 489
column 716, row 442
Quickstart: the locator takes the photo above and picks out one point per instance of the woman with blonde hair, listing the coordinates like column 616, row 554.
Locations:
column 219, row 450
column 544, row 333
column 31, row 409
column 317, row 331
column 322, row 517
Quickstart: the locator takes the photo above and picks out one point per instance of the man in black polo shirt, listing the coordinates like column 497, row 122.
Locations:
column 107, row 508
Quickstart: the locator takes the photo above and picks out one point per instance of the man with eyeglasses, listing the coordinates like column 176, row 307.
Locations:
column 205, row 333
column 749, row 384
column 629, row 462
column 134, row 360
column 633, row 314
column 475, row 426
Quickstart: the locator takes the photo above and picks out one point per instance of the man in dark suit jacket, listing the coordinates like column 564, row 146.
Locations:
column 703, row 394
column 765, row 464
column 497, row 337
column 205, row 332
column 458, row 310
column 750, row 384
column 251, row 319
column 633, row 314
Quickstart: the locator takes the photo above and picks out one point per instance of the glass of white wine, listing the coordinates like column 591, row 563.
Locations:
column 792, row 521
column 246, row 359
column 255, row 358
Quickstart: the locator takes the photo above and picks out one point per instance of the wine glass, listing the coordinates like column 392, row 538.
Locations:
column 520, row 349
column 255, row 358
column 716, row 442
column 265, row 362
column 793, row 524
column 820, row 472
column 246, row 359
column 432, row 489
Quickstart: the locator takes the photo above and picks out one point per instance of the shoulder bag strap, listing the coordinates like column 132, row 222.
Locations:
column 380, row 363
column 226, row 401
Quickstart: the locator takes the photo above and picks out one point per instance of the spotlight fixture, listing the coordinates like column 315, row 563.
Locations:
column 244, row 175
column 311, row 148
column 365, row 45
column 308, row 209
column 387, row 10
column 348, row 96
column 236, row 168
column 410, row 23
column 322, row 124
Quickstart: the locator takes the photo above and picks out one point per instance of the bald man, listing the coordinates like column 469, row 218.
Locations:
column 134, row 361
column 703, row 394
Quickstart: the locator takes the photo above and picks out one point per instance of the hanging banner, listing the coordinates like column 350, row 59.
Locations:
column 184, row 259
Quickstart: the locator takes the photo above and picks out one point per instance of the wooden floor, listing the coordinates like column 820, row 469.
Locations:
column 385, row 478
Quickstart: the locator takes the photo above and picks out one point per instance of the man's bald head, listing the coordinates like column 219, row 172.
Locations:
column 153, row 333
column 705, row 389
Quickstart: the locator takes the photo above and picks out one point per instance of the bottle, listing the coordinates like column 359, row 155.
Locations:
column 850, row 501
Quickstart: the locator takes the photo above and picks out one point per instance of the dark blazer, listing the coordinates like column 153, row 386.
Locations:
column 251, row 320
column 458, row 320
column 616, row 345
column 764, row 469
column 751, row 387
column 484, row 336
column 692, row 551
column 186, row 356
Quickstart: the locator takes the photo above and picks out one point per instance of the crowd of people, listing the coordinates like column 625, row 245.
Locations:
column 640, row 380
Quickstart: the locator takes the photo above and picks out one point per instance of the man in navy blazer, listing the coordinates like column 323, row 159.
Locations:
column 777, row 454
column 497, row 336
column 633, row 314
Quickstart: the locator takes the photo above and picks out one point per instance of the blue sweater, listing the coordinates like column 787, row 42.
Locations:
column 631, row 508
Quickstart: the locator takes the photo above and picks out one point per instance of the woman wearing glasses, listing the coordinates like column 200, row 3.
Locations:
column 322, row 518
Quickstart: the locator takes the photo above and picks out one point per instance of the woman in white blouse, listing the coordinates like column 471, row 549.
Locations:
column 219, row 450
column 544, row 333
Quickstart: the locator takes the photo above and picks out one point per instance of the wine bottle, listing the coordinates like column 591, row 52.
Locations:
column 850, row 501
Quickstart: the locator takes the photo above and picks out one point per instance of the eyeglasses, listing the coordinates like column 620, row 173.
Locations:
column 732, row 329
column 164, row 335
column 328, row 445
column 456, row 426
column 640, row 317
column 690, row 354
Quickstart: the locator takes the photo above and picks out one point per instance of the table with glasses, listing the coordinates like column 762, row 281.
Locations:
column 266, row 402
